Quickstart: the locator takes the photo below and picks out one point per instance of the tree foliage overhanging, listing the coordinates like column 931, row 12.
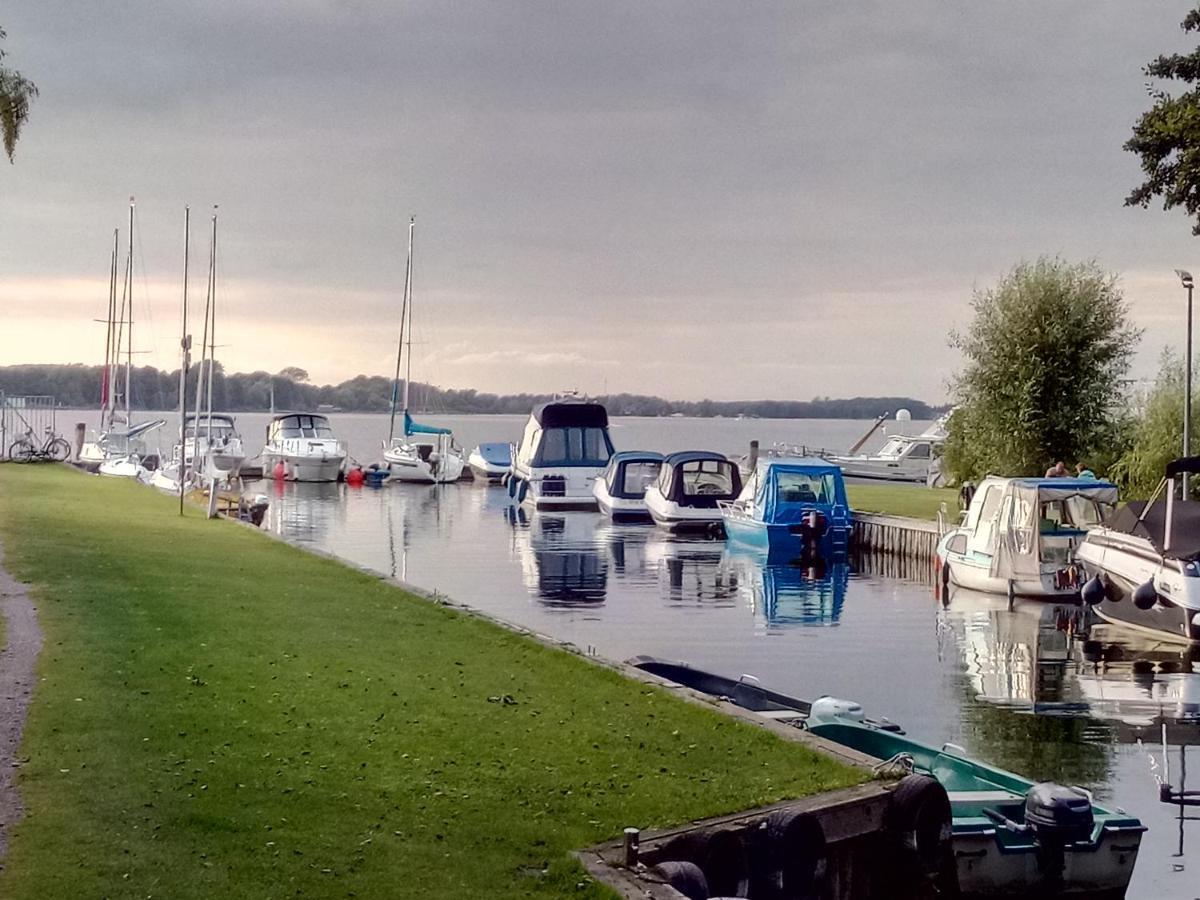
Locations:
column 16, row 94
column 1167, row 136
column 1156, row 437
column 1045, row 360
column 79, row 387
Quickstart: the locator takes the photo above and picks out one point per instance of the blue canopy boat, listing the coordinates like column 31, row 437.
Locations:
column 791, row 504
column 1009, row 836
column 490, row 462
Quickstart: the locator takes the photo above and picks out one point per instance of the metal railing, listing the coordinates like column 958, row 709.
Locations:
column 19, row 415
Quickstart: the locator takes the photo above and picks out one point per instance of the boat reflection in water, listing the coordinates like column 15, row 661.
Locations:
column 560, row 559
column 1055, row 659
column 690, row 571
column 786, row 592
column 303, row 511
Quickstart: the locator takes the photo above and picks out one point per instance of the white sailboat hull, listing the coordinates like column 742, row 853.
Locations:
column 406, row 464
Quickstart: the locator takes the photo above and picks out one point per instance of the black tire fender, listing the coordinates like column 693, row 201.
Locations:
column 795, row 858
column 685, row 877
column 918, row 826
column 721, row 855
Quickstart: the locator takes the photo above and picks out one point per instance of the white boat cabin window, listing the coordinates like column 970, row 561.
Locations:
column 1072, row 514
column 222, row 430
column 919, row 451
column 639, row 476
column 893, row 447
column 706, row 476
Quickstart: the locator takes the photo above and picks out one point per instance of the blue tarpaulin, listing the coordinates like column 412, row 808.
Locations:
column 411, row 427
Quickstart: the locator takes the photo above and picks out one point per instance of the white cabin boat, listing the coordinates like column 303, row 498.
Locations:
column 902, row 457
column 305, row 445
column 119, row 454
column 564, row 449
column 689, row 488
column 1021, row 535
column 1144, row 563
column 621, row 491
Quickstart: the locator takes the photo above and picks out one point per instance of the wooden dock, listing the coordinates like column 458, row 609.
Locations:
column 896, row 536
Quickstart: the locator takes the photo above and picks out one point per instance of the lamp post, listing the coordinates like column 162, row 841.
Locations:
column 1185, row 279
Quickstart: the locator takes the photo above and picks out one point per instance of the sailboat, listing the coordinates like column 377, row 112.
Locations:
column 210, row 448
column 119, row 450
column 425, row 454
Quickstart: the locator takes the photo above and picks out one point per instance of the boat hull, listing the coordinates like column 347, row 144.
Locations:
column 410, row 468
column 782, row 538
column 1125, row 566
column 555, row 488
column 307, row 468
column 619, row 509
column 482, row 471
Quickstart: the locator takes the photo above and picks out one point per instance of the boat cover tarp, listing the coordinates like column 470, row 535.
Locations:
column 1185, row 525
column 1189, row 464
column 571, row 414
column 411, row 427
column 1019, row 552
column 496, row 454
column 774, row 505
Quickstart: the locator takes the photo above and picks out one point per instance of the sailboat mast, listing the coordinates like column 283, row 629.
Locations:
column 106, row 380
column 408, row 303
column 212, row 331
column 200, row 376
column 129, row 336
column 400, row 343
column 185, row 344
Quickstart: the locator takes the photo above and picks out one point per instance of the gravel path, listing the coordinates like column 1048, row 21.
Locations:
column 17, row 663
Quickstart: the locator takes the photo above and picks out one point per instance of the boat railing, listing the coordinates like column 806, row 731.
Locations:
column 782, row 448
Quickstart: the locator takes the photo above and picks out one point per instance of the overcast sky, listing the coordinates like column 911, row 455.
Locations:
column 726, row 200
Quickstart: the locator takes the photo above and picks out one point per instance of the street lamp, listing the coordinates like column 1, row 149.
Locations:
column 1185, row 279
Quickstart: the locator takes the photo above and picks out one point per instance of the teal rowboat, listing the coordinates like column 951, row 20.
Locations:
column 1010, row 836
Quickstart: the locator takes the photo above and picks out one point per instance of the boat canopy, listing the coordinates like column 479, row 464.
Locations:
column 1031, row 508
column 1151, row 524
column 496, row 454
column 571, row 414
column 411, row 427
column 783, row 489
column 298, row 425
column 698, row 479
column 630, row 472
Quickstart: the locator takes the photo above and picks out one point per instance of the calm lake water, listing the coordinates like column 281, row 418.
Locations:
column 1013, row 687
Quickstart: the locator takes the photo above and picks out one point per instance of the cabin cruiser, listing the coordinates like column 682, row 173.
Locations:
column 564, row 448
column 490, row 462
column 1021, row 535
column 304, row 446
column 689, row 486
column 901, row 458
column 426, row 454
column 1144, row 562
column 791, row 504
column 621, row 490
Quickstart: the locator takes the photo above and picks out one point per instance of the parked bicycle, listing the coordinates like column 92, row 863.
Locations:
column 25, row 448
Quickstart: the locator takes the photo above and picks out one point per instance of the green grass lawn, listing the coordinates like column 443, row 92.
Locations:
column 221, row 715
column 902, row 500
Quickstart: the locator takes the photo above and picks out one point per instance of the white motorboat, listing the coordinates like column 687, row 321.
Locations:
column 304, row 446
column 125, row 467
column 426, row 454
column 490, row 462
column 901, row 458
column 621, row 491
column 564, row 449
column 1144, row 562
column 689, row 488
column 1021, row 535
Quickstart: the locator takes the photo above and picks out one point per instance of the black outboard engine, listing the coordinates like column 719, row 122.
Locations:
column 1057, row 816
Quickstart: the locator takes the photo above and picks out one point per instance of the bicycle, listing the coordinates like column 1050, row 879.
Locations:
column 25, row 449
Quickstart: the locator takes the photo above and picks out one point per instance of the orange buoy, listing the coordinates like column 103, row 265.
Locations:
column 280, row 471
column 355, row 476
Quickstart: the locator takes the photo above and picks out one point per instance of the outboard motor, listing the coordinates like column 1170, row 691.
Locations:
column 832, row 707
column 1057, row 816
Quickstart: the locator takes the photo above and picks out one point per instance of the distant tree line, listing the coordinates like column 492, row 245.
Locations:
column 79, row 386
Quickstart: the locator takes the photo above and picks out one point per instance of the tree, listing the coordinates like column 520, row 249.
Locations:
column 1167, row 137
column 294, row 373
column 16, row 93
column 1158, row 434
column 1046, row 355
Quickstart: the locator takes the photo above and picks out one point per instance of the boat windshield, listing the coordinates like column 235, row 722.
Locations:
column 706, row 477
column 575, row 446
column 806, row 487
column 303, row 427
column 221, row 431
column 1077, row 512
column 893, row 447
column 639, row 476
